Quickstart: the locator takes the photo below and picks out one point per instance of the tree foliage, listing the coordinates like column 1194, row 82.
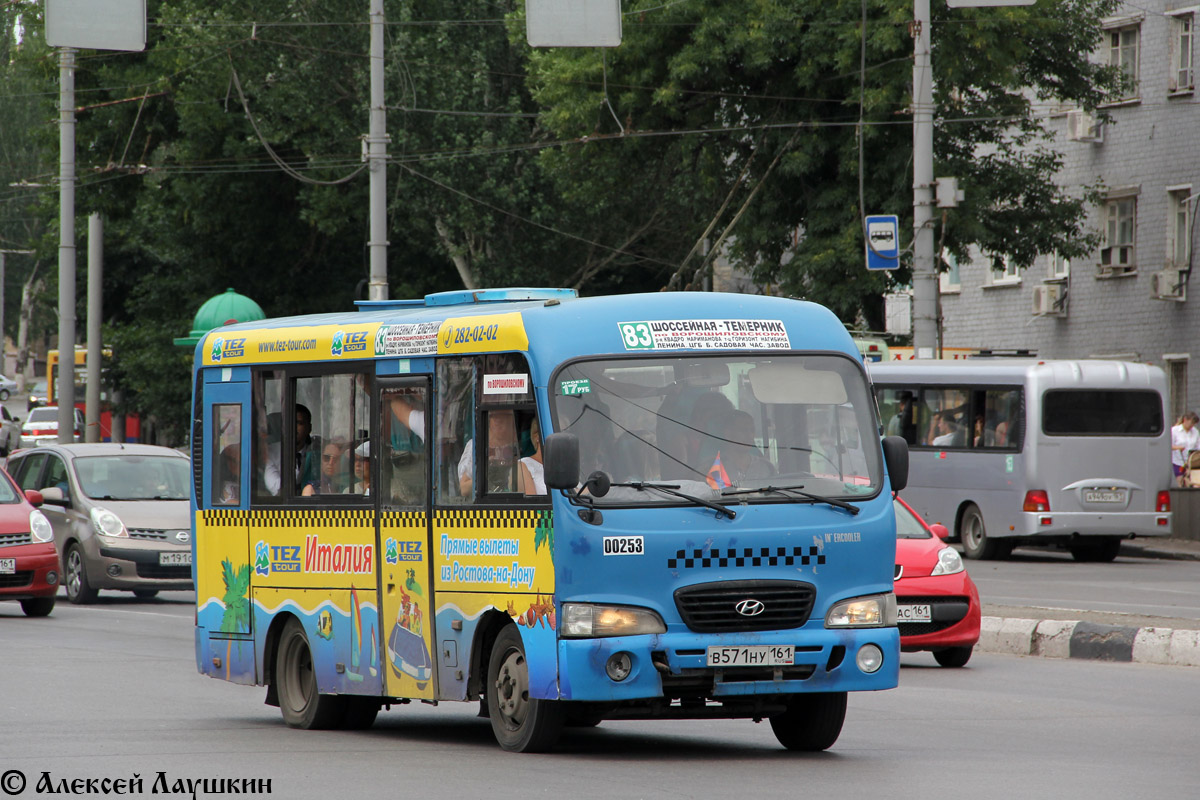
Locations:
column 228, row 153
column 785, row 87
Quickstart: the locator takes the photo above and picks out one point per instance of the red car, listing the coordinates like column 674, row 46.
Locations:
column 937, row 602
column 28, row 561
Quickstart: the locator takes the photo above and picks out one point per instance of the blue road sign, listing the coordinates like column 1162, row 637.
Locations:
column 883, row 241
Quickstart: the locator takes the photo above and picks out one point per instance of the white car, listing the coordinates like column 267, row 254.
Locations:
column 42, row 427
column 10, row 432
column 7, row 387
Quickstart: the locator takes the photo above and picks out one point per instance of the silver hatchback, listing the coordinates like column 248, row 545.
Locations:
column 120, row 514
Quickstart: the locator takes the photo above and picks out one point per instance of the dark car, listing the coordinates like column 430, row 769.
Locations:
column 28, row 561
column 120, row 514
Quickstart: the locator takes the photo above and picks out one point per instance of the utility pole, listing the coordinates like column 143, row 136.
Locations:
column 925, row 279
column 377, row 139
column 65, row 391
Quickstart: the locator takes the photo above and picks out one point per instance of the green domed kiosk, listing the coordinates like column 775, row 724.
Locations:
column 222, row 309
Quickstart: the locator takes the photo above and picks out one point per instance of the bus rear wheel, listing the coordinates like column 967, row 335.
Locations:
column 975, row 541
column 812, row 722
column 296, row 684
column 521, row 724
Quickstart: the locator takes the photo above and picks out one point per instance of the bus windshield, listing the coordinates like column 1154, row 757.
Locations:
column 712, row 425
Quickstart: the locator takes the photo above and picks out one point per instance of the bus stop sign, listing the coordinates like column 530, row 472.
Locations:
column 883, row 241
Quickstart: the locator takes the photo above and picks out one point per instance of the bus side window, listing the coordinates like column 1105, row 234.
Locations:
column 335, row 456
column 267, row 426
column 226, row 458
column 898, row 409
column 455, row 428
column 403, row 462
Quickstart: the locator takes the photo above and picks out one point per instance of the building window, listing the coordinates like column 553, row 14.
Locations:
column 1059, row 267
column 1178, row 227
column 1180, row 77
column 1123, row 53
column 1004, row 271
column 1117, row 253
column 951, row 279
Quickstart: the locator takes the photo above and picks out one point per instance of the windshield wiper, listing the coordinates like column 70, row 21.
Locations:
column 795, row 490
column 673, row 490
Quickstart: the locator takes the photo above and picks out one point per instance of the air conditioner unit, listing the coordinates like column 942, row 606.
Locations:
column 1169, row 284
column 1083, row 127
column 1048, row 300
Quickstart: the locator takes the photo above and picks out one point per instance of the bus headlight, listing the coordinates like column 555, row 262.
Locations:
column 588, row 621
column 872, row 611
column 949, row 562
column 106, row 523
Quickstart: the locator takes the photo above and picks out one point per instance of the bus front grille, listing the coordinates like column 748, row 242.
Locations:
column 764, row 605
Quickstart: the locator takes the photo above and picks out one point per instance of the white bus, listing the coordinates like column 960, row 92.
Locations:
column 1026, row 451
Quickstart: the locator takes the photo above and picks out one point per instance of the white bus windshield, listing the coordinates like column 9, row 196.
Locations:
column 710, row 424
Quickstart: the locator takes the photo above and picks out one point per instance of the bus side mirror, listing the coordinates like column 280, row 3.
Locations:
column 561, row 461
column 895, row 457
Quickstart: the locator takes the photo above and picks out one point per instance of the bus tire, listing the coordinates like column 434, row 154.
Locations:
column 521, row 724
column 812, row 722
column 296, row 684
column 79, row 591
column 1103, row 551
column 953, row 656
column 975, row 541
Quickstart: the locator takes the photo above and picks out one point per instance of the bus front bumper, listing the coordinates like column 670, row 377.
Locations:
column 673, row 665
column 1088, row 523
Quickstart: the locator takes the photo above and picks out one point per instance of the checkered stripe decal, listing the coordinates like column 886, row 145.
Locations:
column 289, row 518
column 223, row 517
column 491, row 518
column 402, row 519
column 747, row 557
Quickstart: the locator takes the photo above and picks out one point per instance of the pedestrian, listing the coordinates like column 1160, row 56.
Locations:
column 1185, row 437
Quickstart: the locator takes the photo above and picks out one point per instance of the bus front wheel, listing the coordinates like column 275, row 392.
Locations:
column 296, row 684
column 975, row 541
column 521, row 724
column 812, row 722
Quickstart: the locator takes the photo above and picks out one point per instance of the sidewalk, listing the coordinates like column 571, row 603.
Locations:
column 1060, row 638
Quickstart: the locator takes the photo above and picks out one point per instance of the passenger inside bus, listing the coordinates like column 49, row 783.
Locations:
column 306, row 457
column 502, row 456
column 362, row 470
column 531, row 478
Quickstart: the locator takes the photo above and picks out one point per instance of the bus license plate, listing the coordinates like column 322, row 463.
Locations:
column 757, row 655
column 916, row 613
column 168, row 559
column 8, row 566
column 1104, row 496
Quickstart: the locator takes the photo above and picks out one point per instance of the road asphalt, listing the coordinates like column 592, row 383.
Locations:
column 1057, row 633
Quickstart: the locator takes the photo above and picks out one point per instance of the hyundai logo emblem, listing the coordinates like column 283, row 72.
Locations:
column 750, row 607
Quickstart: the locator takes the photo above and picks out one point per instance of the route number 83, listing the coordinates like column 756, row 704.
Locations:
column 637, row 335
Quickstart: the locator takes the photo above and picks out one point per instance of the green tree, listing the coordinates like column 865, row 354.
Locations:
column 780, row 88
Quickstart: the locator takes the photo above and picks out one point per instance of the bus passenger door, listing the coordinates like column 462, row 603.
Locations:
column 223, row 562
column 406, row 590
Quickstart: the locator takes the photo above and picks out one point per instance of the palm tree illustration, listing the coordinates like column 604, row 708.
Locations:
column 237, row 605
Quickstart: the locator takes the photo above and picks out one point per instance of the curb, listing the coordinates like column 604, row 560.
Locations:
column 1054, row 638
